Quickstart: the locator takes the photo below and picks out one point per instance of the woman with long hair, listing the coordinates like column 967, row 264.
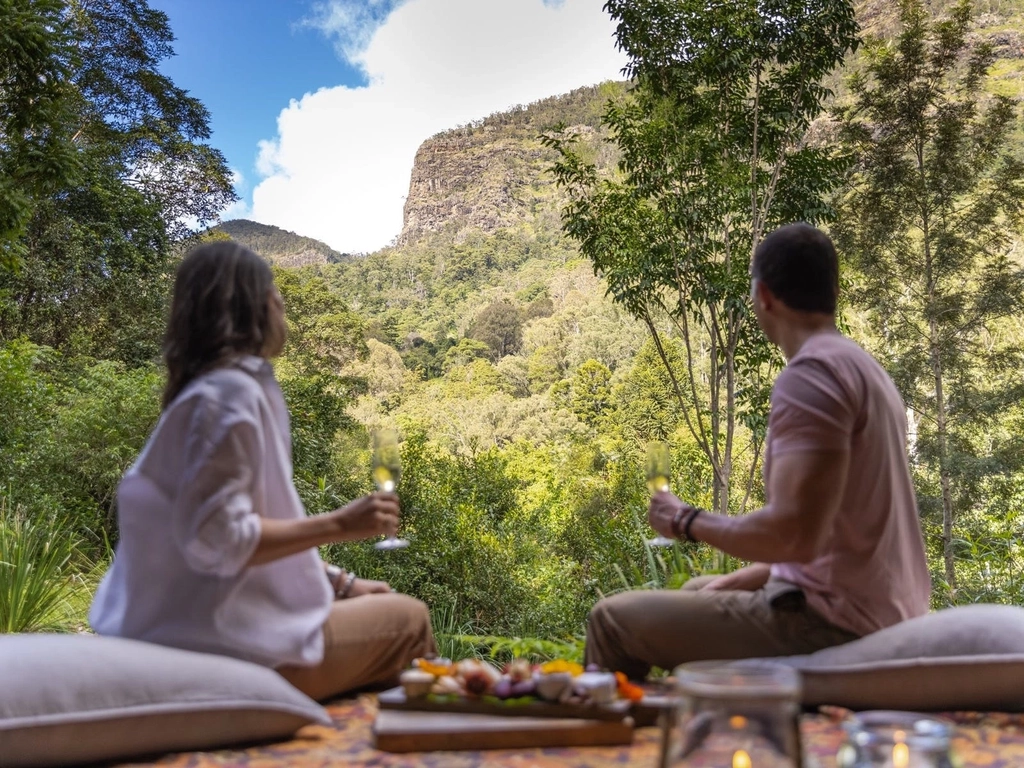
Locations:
column 216, row 553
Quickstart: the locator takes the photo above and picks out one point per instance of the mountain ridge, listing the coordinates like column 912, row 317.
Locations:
column 280, row 247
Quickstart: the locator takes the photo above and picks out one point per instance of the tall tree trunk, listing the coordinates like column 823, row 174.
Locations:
column 719, row 484
column 940, row 409
column 943, row 445
column 935, row 354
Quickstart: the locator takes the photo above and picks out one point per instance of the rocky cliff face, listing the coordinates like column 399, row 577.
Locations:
column 494, row 174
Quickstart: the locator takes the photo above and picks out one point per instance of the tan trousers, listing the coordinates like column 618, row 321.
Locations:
column 368, row 641
column 632, row 631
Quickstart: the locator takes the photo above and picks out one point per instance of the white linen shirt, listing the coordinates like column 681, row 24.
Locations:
column 189, row 515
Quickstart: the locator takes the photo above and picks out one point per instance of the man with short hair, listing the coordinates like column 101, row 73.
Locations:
column 837, row 551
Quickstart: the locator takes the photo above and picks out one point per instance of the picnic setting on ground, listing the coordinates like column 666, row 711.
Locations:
column 219, row 623
column 679, row 426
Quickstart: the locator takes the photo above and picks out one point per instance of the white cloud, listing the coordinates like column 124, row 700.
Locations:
column 339, row 167
column 240, row 208
column 350, row 23
column 237, row 210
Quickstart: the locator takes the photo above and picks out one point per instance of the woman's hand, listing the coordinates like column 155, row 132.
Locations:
column 367, row 517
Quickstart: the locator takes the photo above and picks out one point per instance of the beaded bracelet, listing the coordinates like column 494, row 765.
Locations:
column 342, row 593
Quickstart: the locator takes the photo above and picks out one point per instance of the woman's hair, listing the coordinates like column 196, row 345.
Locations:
column 218, row 312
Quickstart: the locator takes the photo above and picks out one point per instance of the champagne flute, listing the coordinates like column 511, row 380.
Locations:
column 659, row 464
column 387, row 469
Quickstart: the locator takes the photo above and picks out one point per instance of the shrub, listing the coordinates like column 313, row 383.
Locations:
column 37, row 571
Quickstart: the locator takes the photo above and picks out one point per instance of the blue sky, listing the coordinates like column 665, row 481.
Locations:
column 247, row 76
column 320, row 105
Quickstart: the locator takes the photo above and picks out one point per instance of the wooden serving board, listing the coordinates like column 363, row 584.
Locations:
column 395, row 699
column 644, row 713
column 406, row 731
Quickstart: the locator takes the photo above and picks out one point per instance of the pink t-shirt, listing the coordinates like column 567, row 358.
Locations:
column 871, row 571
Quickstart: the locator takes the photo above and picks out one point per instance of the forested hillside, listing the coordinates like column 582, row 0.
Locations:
column 279, row 246
column 524, row 334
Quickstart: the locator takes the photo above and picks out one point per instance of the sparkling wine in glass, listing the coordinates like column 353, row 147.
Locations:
column 387, row 469
column 659, row 466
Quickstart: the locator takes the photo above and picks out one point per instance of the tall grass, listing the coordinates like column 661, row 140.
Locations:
column 450, row 633
column 41, row 584
column 664, row 568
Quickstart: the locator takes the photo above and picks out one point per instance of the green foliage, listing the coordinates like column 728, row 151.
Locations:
column 138, row 121
column 500, row 326
column 590, row 397
column 450, row 633
column 81, row 424
column 713, row 154
column 458, row 512
column 37, row 154
column 96, row 272
column 465, row 352
column 107, row 412
column 97, row 252
column 279, row 246
column 929, row 224
column 534, row 649
column 36, row 570
column 324, row 335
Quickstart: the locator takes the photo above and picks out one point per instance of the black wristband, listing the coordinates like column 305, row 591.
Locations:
column 689, row 522
column 682, row 521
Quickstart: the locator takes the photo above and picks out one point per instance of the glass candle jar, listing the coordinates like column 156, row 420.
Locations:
column 738, row 715
column 896, row 740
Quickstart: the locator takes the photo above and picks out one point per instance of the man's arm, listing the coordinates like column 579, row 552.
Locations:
column 805, row 489
column 811, row 424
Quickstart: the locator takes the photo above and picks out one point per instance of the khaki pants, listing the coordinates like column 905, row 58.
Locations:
column 632, row 631
column 368, row 641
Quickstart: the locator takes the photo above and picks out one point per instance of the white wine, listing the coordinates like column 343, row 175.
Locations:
column 386, row 469
column 657, row 483
column 384, row 478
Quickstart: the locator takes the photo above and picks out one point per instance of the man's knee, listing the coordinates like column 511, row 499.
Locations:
column 600, row 612
column 609, row 614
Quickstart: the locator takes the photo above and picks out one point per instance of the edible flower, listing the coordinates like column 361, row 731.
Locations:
column 433, row 668
column 628, row 690
column 560, row 665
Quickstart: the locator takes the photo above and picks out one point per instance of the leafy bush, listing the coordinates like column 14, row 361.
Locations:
column 37, row 571
column 465, row 553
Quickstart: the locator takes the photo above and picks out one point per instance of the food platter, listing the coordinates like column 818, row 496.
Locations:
column 557, row 689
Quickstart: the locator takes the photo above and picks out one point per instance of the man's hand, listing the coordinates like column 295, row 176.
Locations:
column 364, row 518
column 748, row 579
column 662, row 511
column 362, row 587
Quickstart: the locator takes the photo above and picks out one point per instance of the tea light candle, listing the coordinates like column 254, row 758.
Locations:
column 895, row 740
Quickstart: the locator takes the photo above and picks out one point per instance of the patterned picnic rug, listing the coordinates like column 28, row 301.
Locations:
column 989, row 740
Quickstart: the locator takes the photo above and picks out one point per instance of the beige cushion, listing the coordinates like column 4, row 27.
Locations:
column 68, row 699
column 966, row 658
